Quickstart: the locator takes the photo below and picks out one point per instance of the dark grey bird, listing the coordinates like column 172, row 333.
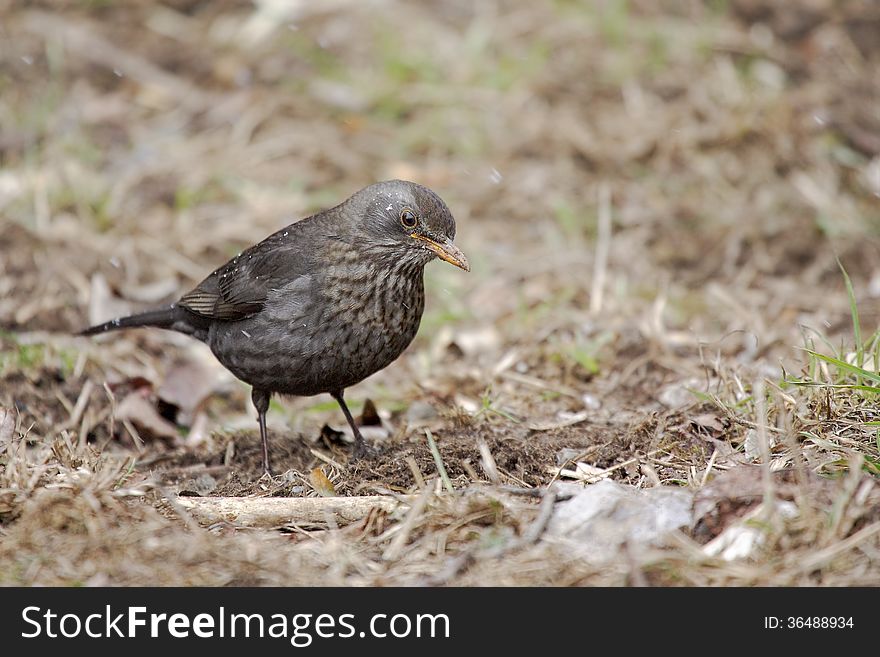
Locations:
column 323, row 303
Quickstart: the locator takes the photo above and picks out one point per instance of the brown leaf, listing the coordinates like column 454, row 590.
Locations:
column 189, row 382
column 137, row 409
column 370, row 416
column 134, row 383
column 103, row 305
column 709, row 421
column 322, row 485
column 331, row 436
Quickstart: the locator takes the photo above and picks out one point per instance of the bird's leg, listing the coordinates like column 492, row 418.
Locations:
column 261, row 402
column 360, row 447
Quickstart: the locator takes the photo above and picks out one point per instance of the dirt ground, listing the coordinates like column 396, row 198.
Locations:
column 657, row 199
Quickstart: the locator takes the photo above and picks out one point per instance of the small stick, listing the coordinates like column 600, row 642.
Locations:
column 577, row 418
column 545, row 511
column 327, row 459
column 135, row 436
column 709, row 467
column 270, row 512
column 574, row 461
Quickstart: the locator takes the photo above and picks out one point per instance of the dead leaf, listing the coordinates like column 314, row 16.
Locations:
column 466, row 404
column 743, row 538
column 151, row 293
column 331, row 436
column 131, row 384
column 477, row 341
column 185, row 387
column 137, row 409
column 370, row 416
column 322, row 485
column 709, row 421
column 103, row 305
column 198, row 430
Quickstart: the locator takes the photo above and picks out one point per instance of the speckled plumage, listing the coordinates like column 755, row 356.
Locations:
column 323, row 303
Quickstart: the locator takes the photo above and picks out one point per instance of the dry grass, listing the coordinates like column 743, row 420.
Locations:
column 652, row 196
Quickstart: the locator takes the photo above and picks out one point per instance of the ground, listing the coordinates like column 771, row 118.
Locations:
column 671, row 210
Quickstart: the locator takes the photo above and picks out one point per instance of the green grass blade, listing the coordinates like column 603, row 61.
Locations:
column 848, row 386
column 877, row 356
column 854, row 311
column 846, row 367
column 438, row 461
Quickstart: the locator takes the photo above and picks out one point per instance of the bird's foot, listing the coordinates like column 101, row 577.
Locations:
column 362, row 451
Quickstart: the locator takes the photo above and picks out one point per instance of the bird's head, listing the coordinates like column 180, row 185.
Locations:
column 409, row 221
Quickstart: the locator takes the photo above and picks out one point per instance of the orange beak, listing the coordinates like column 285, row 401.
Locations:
column 445, row 250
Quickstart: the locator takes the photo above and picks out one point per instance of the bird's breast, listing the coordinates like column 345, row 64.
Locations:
column 326, row 333
column 373, row 312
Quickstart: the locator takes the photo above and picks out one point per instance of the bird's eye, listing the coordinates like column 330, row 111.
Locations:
column 408, row 218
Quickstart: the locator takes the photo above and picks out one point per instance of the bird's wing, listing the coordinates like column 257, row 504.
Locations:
column 240, row 288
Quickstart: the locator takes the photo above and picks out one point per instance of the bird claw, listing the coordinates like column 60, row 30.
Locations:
column 362, row 451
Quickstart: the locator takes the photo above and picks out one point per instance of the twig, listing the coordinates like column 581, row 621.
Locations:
column 738, row 420
column 709, row 467
column 135, row 436
column 280, row 511
column 577, row 418
column 545, row 511
column 587, row 452
column 323, row 457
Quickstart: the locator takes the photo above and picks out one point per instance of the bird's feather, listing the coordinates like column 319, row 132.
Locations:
column 239, row 289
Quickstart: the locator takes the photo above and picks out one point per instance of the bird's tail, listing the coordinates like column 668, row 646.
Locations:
column 161, row 318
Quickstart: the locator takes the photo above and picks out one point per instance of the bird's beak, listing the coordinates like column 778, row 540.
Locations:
column 445, row 250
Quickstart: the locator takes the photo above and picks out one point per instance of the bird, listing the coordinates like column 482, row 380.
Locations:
column 321, row 304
